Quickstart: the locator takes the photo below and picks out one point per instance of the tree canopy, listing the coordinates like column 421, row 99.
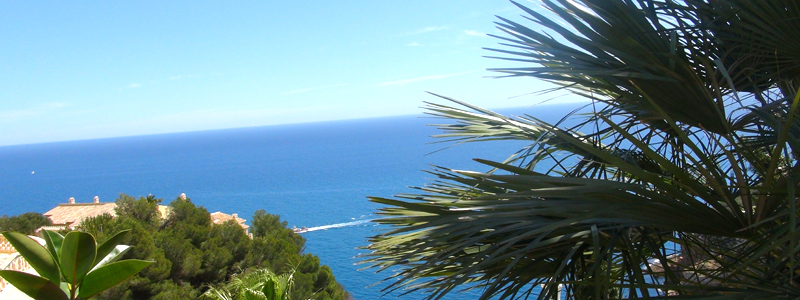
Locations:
column 191, row 254
column 26, row 223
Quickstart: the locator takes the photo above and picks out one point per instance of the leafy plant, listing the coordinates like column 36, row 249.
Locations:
column 72, row 266
column 679, row 179
column 191, row 253
column 260, row 284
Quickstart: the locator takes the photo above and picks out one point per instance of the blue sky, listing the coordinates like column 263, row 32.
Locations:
column 83, row 70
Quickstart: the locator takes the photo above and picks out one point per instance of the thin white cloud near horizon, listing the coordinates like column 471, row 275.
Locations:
column 11, row 115
column 423, row 78
column 208, row 119
column 184, row 121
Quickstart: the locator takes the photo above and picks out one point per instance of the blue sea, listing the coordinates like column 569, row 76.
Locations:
column 316, row 175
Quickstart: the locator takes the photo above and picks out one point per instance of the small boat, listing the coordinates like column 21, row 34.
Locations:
column 299, row 230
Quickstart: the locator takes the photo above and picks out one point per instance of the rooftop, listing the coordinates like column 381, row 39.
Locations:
column 220, row 217
column 72, row 214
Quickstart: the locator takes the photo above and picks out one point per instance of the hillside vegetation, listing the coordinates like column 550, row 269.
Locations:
column 191, row 253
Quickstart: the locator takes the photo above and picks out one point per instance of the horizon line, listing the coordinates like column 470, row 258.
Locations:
column 421, row 114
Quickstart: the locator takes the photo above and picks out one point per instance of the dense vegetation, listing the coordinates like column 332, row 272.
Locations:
column 254, row 285
column 191, row 253
column 679, row 180
column 25, row 223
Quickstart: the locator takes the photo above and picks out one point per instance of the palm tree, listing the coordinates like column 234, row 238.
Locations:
column 680, row 179
column 259, row 284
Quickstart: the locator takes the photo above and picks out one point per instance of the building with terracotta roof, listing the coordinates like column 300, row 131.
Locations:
column 220, row 217
column 70, row 215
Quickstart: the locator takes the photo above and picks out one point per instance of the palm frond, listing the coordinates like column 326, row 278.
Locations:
column 679, row 182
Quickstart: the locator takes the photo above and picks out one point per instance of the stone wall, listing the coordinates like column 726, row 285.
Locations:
column 5, row 246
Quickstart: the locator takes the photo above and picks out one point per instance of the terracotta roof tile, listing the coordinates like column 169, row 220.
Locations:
column 73, row 214
column 68, row 215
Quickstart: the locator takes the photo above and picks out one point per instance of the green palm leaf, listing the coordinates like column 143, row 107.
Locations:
column 688, row 158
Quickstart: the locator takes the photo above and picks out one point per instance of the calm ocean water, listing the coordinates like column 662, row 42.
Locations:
column 314, row 174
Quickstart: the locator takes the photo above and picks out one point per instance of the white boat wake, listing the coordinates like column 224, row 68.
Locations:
column 339, row 225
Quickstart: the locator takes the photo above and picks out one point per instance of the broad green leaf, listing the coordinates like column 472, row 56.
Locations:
column 77, row 256
column 37, row 256
column 54, row 240
column 108, row 246
column 113, row 256
column 110, row 275
column 36, row 287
